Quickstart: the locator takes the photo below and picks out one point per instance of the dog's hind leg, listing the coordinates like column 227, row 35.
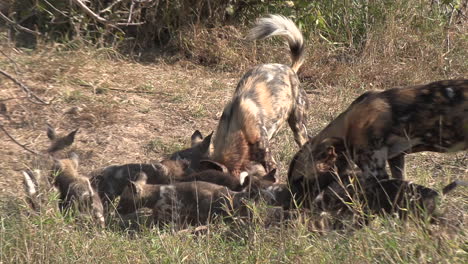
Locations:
column 297, row 121
column 261, row 152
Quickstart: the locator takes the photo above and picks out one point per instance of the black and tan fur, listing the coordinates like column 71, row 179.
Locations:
column 265, row 98
column 76, row 189
column 181, row 203
column 111, row 181
column 381, row 126
column 198, row 151
column 353, row 195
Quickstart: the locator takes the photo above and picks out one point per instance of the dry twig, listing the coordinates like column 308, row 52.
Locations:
column 25, row 89
column 18, row 26
column 101, row 19
column 16, row 141
column 12, row 61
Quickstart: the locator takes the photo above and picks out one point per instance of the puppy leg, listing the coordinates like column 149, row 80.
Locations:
column 397, row 166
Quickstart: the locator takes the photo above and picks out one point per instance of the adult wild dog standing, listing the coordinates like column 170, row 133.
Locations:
column 381, row 126
column 265, row 98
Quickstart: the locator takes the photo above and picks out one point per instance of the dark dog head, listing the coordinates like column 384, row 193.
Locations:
column 199, row 150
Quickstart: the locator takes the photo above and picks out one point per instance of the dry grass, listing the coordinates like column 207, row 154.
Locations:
column 134, row 112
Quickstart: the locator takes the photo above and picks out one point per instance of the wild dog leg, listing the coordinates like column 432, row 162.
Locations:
column 263, row 154
column 297, row 121
column 397, row 166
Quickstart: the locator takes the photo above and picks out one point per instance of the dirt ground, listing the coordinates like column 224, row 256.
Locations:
column 133, row 112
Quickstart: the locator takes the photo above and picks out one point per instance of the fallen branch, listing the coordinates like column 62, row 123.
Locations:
column 25, row 88
column 18, row 26
column 101, row 19
column 16, row 141
column 11, row 60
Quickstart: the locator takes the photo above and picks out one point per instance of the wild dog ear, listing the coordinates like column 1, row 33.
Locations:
column 212, row 165
column 51, row 134
column 75, row 159
column 70, row 138
column 204, row 146
column 270, row 176
column 196, row 138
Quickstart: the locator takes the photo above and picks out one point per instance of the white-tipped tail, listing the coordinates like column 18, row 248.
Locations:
column 277, row 25
column 29, row 184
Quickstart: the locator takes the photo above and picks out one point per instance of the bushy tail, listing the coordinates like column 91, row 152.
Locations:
column 30, row 183
column 277, row 25
column 451, row 186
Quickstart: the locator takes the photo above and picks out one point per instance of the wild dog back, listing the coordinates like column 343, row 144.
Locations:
column 265, row 98
column 181, row 203
column 112, row 180
column 381, row 126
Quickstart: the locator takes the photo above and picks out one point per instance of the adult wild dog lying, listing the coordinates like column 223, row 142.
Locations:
column 181, row 203
column 76, row 189
column 381, row 126
column 265, row 98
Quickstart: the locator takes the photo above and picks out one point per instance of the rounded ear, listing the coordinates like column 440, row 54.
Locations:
column 196, row 138
column 75, row 159
column 51, row 134
column 204, row 146
column 270, row 176
column 212, row 165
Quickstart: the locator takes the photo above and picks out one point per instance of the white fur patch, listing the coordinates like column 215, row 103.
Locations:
column 243, row 175
column 269, row 77
column 450, row 92
column 31, row 187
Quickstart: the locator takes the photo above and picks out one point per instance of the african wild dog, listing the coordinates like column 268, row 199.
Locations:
column 75, row 189
column 353, row 195
column 199, row 150
column 181, row 203
column 265, row 98
column 381, row 126
column 59, row 143
column 111, row 181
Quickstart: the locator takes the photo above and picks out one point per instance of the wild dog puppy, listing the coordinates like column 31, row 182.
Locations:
column 199, row 150
column 265, row 98
column 181, row 203
column 111, row 181
column 354, row 195
column 59, row 143
column 76, row 189
column 381, row 126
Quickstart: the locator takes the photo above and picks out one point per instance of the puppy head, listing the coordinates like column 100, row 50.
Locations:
column 199, row 150
column 130, row 200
